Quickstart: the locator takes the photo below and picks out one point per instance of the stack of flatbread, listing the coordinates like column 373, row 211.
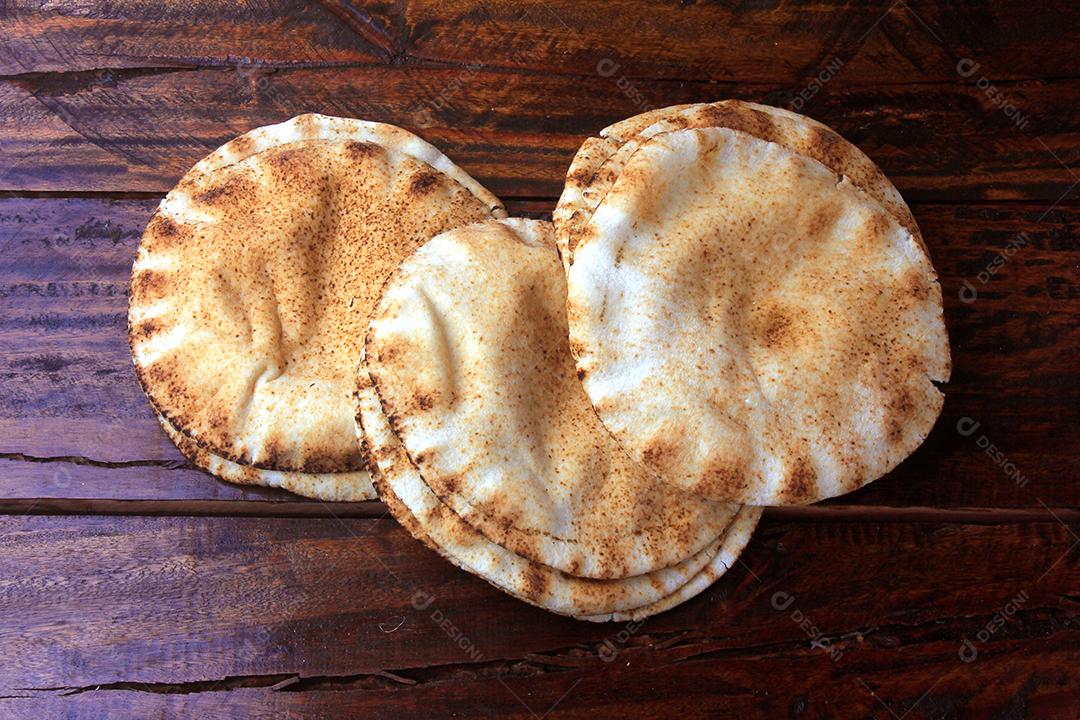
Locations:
column 486, row 446
column 252, row 286
column 734, row 308
column 751, row 306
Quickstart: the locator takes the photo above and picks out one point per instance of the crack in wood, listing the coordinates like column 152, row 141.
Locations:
column 70, row 82
column 231, row 682
column 58, row 83
column 81, row 460
column 278, row 505
column 375, row 37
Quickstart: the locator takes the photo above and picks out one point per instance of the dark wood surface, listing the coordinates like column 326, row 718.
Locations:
column 132, row 584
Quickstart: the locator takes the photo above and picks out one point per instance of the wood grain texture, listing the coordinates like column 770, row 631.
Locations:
column 214, row 605
column 140, row 130
column 71, row 392
column 876, row 42
column 1024, row 678
column 133, row 585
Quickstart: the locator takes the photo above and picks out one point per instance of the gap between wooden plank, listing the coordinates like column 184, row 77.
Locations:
column 525, row 200
column 300, row 507
column 59, row 76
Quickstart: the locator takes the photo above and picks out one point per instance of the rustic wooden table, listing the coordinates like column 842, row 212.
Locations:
column 132, row 584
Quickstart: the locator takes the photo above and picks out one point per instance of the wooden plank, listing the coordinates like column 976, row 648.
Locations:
column 130, row 34
column 190, row 604
column 70, row 395
column 516, row 131
column 1023, row 678
column 871, row 43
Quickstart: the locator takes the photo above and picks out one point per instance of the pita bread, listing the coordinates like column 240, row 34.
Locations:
column 254, row 278
column 468, row 352
column 751, row 326
column 600, row 160
column 430, row 520
column 329, row 487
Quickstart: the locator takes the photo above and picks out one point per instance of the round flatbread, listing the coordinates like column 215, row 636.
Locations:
column 252, row 284
column 752, row 326
column 468, row 352
column 600, row 160
column 352, row 486
column 430, row 520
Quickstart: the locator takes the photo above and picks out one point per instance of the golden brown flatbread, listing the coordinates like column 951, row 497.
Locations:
column 254, row 279
column 752, row 325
